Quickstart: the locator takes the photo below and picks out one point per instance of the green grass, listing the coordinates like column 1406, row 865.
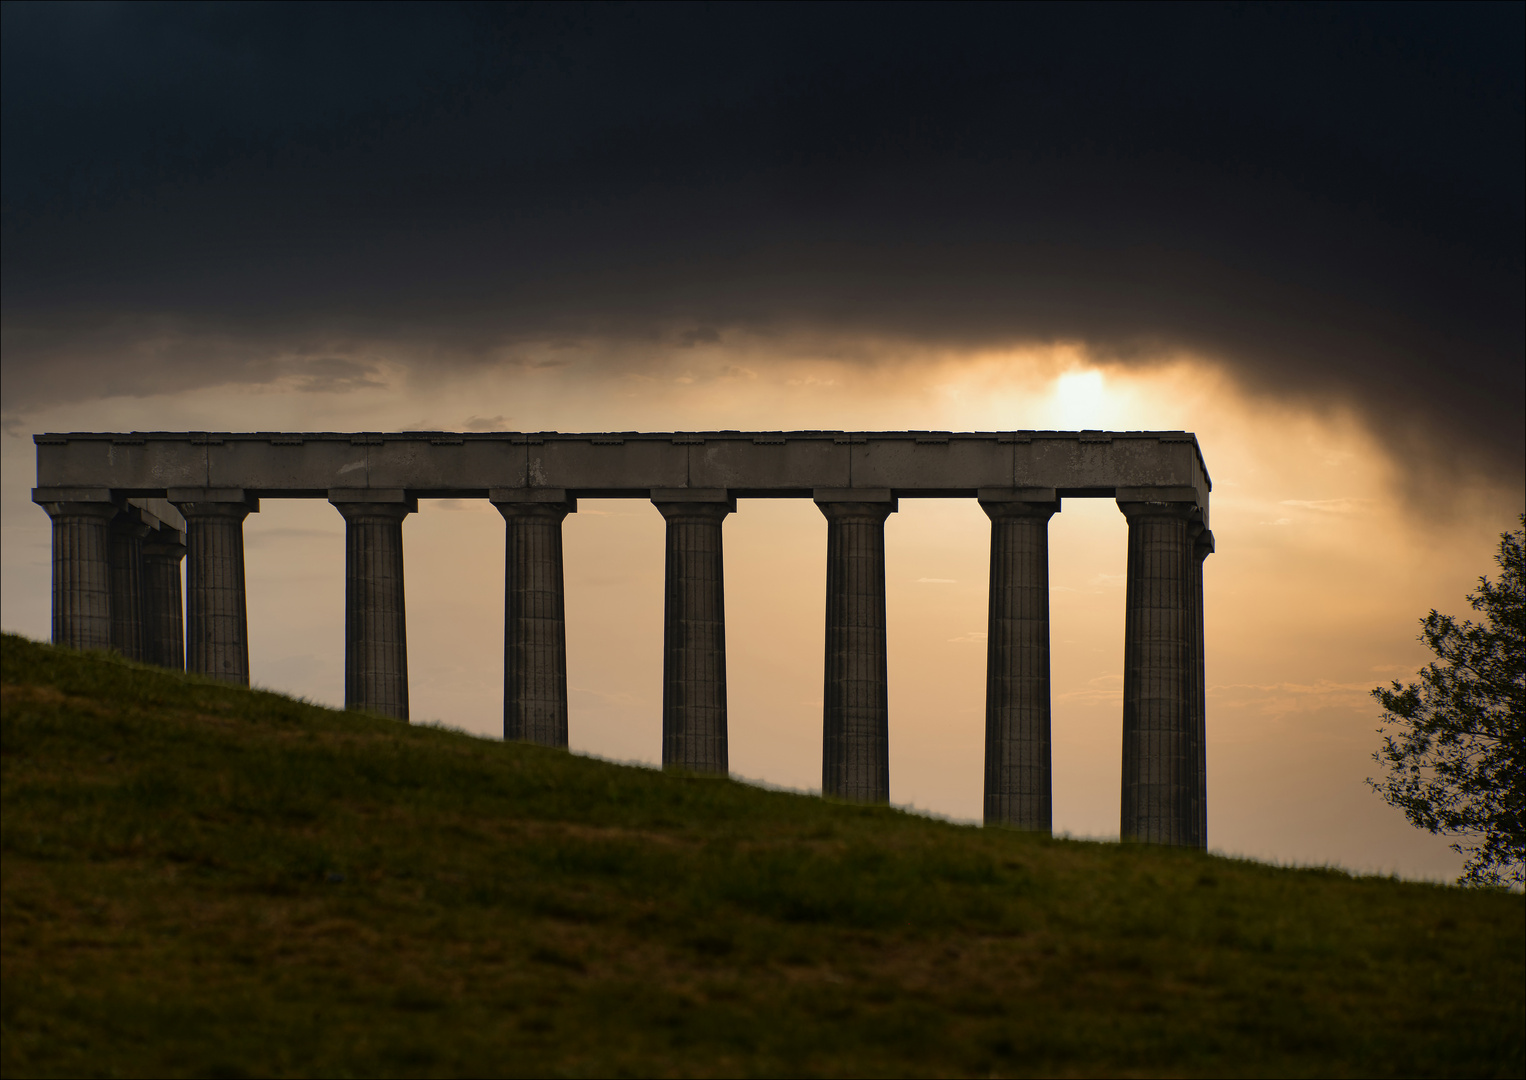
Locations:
column 203, row 880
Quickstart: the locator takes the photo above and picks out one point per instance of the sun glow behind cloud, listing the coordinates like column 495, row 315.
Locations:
column 1080, row 400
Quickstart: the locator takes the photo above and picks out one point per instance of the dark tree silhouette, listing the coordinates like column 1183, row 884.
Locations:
column 1453, row 745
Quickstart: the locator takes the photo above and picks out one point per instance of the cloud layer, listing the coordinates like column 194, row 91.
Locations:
column 1325, row 200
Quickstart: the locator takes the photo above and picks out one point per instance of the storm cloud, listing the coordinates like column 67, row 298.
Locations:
column 1326, row 200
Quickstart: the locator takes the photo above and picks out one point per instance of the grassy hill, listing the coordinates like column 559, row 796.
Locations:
column 200, row 879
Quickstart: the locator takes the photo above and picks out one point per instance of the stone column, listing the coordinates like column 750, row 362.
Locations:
column 694, row 631
column 375, row 617
column 81, row 564
column 1202, row 547
column 1159, row 674
column 1019, row 785
column 127, row 631
column 855, row 757
column 163, row 622
column 535, row 615
column 216, row 616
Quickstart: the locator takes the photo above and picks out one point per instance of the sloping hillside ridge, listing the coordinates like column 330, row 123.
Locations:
column 204, row 880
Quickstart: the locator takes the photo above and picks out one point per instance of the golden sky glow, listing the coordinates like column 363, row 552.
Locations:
column 1324, row 565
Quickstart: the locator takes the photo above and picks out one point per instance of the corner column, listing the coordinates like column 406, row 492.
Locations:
column 1202, row 547
column 855, row 757
column 694, row 631
column 128, row 532
column 535, row 614
column 375, row 616
column 81, row 564
column 216, row 613
column 1019, row 777
column 1160, row 671
column 163, row 621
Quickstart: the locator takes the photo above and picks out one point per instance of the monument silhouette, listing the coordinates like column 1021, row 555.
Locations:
column 127, row 507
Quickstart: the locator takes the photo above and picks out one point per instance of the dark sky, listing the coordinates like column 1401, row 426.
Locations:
column 1326, row 197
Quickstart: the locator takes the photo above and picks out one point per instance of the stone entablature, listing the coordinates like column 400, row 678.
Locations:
column 126, row 507
column 746, row 464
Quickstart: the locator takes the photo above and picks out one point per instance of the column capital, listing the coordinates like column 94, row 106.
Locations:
column 853, row 495
column 711, row 504
column 370, row 513
column 213, row 502
column 1027, row 503
column 165, row 541
column 513, row 503
column 99, row 502
column 130, row 520
column 1160, row 508
column 863, row 504
column 529, row 495
column 369, row 495
column 1202, row 544
column 105, row 511
column 158, row 513
column 1162, row 501
column 376, row 504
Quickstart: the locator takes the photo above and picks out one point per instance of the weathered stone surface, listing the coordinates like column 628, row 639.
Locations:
column 626, row 464
column 694, row 736
column 375, row 615
column 217, row 620
column 1202, row 547
column 1018, row 788
column 535, row 616
column 163, row 608
column 128, row 635
column 855, row 758
column 1160, row 676
column 81, row 565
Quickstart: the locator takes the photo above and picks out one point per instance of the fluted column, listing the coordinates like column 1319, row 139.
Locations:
column 1019, row 785
column 1159, row 676
column 216, row 615
column 1202, row 547
column 81, row 565
column 375, row 616
column 855, row 757
column 694, row 631
column 127, row 631
column 163, row 621
column 535, row 615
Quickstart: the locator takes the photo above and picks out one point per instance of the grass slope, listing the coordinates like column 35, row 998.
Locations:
column 200, row 879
